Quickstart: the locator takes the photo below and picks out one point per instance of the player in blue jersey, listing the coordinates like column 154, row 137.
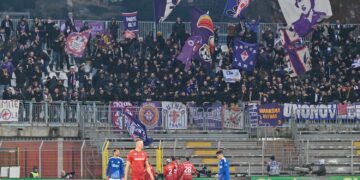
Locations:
column 115, row 167
column 224, row 171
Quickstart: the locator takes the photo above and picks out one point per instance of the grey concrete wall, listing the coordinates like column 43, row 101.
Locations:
column 39, row 131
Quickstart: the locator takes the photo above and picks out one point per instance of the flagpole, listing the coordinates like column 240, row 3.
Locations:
column 155, row 22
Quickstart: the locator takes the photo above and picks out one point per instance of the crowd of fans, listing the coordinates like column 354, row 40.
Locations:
column 146, row 69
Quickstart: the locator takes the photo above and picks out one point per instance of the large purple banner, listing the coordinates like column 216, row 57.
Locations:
column 206, row 117
column 150, row 115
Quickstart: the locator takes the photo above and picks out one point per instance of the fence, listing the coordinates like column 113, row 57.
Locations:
column 247, row 156
column 155, row 115
column 146, row 27
column 213, row 116
column 53, row 157
column 340, row 156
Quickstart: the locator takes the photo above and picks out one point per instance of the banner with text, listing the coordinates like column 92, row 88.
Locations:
column 175, row 115
column 270, row 114
column 232, row 75
column 322, row 111
column 9, row 110
column 130, row 21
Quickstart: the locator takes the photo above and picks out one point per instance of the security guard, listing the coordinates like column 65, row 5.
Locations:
column 34, row 173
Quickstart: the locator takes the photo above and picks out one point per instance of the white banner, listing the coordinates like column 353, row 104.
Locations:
column 175, row 115
column 303, row 15
column 232, row 75
column 233, row 118
column 9, row 110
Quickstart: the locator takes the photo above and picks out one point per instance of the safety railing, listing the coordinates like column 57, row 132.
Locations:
column 154, row 115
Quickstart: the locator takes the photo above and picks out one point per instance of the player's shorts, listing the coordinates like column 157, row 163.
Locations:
column 113, row 179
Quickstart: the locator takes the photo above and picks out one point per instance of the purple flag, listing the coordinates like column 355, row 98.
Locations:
column 137, row 130
column 130, row 21
column 203, row 26
column 163, row 9
column 244, row 56
column 191, row 46
column 106, row 40
column 297, row 55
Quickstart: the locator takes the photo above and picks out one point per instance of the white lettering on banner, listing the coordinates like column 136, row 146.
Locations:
column 351, row 111
column 323, row 111
column 131, row 18
column 314, row 113
column 9, row 110
column 332, row 110
column 174, row 115
column 310, row 111
column 305, row 111
column 121, row 104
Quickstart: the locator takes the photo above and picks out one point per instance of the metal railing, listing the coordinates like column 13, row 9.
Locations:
column 97, row 114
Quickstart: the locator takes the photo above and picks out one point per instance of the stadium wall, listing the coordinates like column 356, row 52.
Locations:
column 53, row 159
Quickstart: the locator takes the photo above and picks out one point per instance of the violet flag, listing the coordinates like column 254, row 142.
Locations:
column 137, row 130
column 203, row 26
column 297, row 55
column 191, row 47
column 245, row 55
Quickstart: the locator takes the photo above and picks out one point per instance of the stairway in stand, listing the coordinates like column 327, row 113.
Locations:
column 206, row 151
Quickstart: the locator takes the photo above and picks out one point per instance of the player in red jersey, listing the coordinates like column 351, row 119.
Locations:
column 176, row 168
column 138, row 160
column 169, row 170
column 180, row 168
column 188, row 169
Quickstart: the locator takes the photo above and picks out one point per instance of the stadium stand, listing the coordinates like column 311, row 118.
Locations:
column 66, row 113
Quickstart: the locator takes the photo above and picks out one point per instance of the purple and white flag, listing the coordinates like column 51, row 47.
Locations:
column 130, row 21
column 191, row 46
column 245, row 55
column 203, row 26
column 163, row 9
column 303, row 15
column 297, row 55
